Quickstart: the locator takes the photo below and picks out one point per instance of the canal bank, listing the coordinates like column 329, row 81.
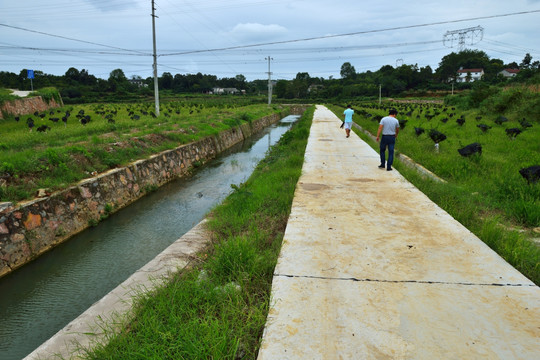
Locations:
column 56, row 288
column 34, row 227
column 102, row 318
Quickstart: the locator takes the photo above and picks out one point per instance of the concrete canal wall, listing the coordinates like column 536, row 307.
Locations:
column 34, row 227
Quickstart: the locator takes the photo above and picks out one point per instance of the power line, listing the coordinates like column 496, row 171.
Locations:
column 353, row 33
column 249, row 49
column 72, row 39
column 328, row 49
column 191, row 34
column 274, row 51
column 100, row 52
column 281, row 42
column 517, row 47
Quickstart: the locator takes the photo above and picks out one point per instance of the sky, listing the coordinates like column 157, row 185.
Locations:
column 253, row 37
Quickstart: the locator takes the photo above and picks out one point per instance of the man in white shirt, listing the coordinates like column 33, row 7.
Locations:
column 389, row 126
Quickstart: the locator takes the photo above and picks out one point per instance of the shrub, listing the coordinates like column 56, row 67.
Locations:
column 459, row 100
column 480, row 92
column 503, row 101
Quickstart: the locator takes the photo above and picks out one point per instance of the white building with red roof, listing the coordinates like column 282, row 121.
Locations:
column 509, row 73
column 469, row 75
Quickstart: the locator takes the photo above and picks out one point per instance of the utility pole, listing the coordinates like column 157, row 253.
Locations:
column 269, row 81
column 156, row 89
column 380, row 92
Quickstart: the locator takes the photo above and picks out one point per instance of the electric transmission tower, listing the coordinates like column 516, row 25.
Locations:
column 462, row 37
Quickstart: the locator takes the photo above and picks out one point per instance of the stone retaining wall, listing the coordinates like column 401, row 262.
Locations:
column 26, row 106
column 34, row 227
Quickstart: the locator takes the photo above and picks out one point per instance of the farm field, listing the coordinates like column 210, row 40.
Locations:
column 54, row 149
column 484, row 191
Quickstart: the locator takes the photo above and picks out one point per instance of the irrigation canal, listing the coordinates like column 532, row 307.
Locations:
column 42, row 297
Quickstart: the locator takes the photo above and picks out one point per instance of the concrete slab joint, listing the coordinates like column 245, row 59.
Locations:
column 370, row 268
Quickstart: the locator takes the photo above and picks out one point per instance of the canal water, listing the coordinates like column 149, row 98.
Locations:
column 39, row 299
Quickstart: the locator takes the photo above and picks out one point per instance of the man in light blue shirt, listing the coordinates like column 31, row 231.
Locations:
column 348, row 119
column 389, row 126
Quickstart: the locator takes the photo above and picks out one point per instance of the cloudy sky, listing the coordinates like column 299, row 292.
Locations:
column 230, row 37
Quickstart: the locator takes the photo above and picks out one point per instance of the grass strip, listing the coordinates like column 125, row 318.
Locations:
column 484, row 221
column 114, row 136
column 218, row 309
column 474, row 199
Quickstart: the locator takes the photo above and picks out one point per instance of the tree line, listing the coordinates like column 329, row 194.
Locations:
column 78, row 86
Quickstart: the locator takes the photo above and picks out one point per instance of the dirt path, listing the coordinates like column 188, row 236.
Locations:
column 20, row 93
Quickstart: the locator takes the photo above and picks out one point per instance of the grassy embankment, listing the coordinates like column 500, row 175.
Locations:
column 115, row 135
column 484, row 192
column 6, row 95
column 217, row 310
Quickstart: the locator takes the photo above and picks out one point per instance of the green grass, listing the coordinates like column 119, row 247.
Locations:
column 494, row 175
column 48, row 94
column 69, row 152
column 6, row 95
column 218, row 309
column 485, row 193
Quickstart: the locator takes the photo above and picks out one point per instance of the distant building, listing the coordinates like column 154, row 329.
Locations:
column 138, row 82
column 313, row 88
column 220, row 91
column 509, row 73
column 475, row 74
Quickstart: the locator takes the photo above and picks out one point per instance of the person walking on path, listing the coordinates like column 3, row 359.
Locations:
column 389, row 126
column 348, row 113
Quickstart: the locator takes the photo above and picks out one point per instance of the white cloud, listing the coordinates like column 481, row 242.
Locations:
column 190, row 25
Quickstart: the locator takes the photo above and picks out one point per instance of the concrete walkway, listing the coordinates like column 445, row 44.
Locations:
column 370, row 268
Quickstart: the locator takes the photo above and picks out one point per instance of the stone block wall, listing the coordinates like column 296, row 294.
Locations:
column 34, row 227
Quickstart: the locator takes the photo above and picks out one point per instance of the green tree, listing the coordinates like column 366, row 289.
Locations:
column 117, row 75
column 425, row 75
column 118, row 80
column 526, row 63
column 240, row 81
column 166, row 81
column 467, row 59
column 85, row 78
column 347, row 71
column 9, row 80
column 280, row 90
column 72, row 75
column 528, row 69
column 300, row 85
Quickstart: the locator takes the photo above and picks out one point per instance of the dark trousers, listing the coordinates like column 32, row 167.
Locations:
column 390, row 141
